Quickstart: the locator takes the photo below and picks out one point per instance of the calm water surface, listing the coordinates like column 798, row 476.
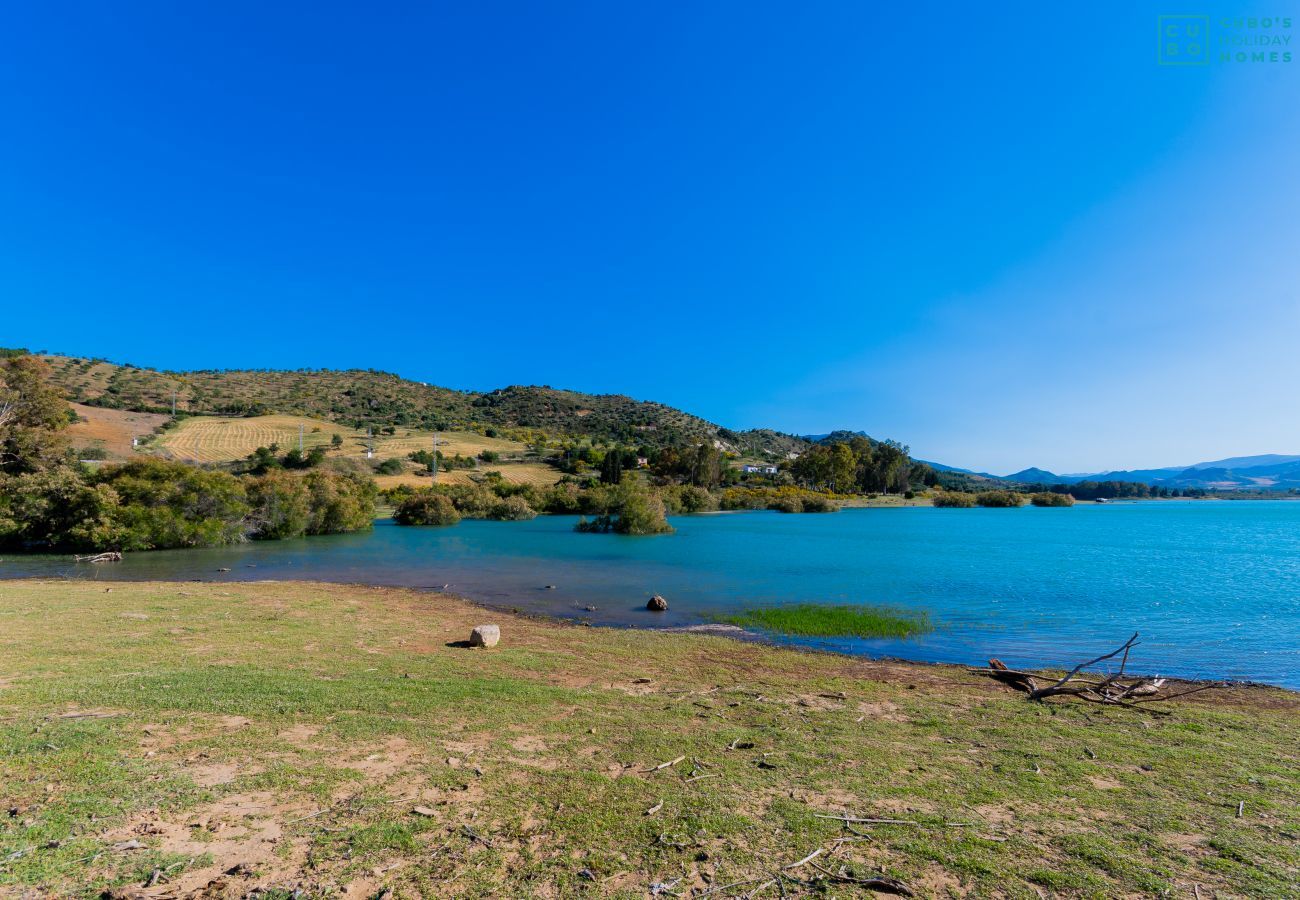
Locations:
column 1214, row 587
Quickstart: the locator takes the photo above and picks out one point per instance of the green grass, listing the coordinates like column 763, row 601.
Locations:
column 304, row 723
column 820, row 620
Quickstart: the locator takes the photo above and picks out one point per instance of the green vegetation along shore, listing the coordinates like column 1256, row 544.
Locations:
column 821, row 620
column 308, row 740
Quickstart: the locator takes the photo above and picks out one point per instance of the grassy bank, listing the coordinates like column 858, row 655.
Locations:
column 816, row 620
column 341, row 741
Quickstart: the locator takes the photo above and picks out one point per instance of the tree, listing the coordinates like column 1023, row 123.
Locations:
column 32, row 418
column 165, row 504
column 281, row 506
column 706, row 468
column 426, row 507
column 611, row 468
column 843, row 468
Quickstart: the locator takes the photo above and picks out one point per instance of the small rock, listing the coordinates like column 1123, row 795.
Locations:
column 128, row 845
column 423, row 811
column 485, row 636
column 550, row 587
column 223, row 570
column 657, row 604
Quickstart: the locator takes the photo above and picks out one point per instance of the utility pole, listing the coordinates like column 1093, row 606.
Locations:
column 370, row 443
column 173, row 403
column 300, row 427
column 433, row 463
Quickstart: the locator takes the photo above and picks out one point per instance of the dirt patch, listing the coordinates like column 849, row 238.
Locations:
column 213, row 774
column 299, row 735
column 110, row 429
column 396, row 755
column 241, row 832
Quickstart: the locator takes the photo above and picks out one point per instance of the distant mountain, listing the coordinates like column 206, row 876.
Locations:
column 1270, row 471
column 1247, row 462
column 1037, row 476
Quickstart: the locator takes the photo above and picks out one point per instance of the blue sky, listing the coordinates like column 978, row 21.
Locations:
column 1002, row 235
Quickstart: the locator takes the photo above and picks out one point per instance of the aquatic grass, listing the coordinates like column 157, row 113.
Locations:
column 824, row 620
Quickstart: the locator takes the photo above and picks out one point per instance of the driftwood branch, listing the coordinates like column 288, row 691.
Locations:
column 1115, row 689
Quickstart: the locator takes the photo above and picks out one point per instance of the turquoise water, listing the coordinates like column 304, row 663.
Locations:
column 1214, row 587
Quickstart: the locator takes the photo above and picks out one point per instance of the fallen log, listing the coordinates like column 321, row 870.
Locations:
column 110, row 556
column 1115, row 689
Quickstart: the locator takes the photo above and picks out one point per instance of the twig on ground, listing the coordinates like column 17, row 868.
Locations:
column 855, row 820
column 809, row 858
column 884, row 885
column 665, row 765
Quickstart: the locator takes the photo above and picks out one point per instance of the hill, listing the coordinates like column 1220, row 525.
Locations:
column 362, row 398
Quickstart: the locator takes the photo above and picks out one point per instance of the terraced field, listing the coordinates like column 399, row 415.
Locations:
column 538, row 474
column 213, row 439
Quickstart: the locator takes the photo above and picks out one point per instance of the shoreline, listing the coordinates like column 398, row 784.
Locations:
column 704, row 629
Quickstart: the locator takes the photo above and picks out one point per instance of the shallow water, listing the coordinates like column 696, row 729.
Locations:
column 1214, row 587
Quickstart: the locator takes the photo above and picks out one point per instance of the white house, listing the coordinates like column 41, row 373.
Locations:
column 758, row 470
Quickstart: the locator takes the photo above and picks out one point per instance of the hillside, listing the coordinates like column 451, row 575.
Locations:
column 364, row 398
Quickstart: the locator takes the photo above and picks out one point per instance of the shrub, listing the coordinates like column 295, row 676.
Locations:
column 512, row 509
column 631, row 508
column 954, row 499
column 340, row 502
column 281, row 505
column 787, row 505
column 426, row 507
column 389, row 467
column 473, row 501
column 165, row 504
column 1000, row 498
column 560, row 499
column 56, row 509
column 817, row 503
column 1050, row 498
column 696, row 499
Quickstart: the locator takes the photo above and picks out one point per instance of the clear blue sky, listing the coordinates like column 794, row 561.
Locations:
column 1001, row 234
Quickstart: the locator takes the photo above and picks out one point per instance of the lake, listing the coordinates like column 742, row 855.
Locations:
column 1213, row 587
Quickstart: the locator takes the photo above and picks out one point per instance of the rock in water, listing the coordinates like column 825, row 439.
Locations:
column 485, row 636
column 657, row 604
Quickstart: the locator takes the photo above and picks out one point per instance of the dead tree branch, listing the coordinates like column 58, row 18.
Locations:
column 1115, row 689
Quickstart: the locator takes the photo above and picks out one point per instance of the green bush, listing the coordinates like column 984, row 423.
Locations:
column 56, row 509
column 1000, row 499
column 426, row 507
column 340, row 502
column 787, row 504
column 389, row 467
column 512, row 509
column 281, row 505
column 1051, row 498
column 630, row 508
column 165, row 504
column 817, row 503
column 954, row 499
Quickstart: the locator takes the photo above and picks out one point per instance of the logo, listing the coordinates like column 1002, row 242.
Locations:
column 1183, row 40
